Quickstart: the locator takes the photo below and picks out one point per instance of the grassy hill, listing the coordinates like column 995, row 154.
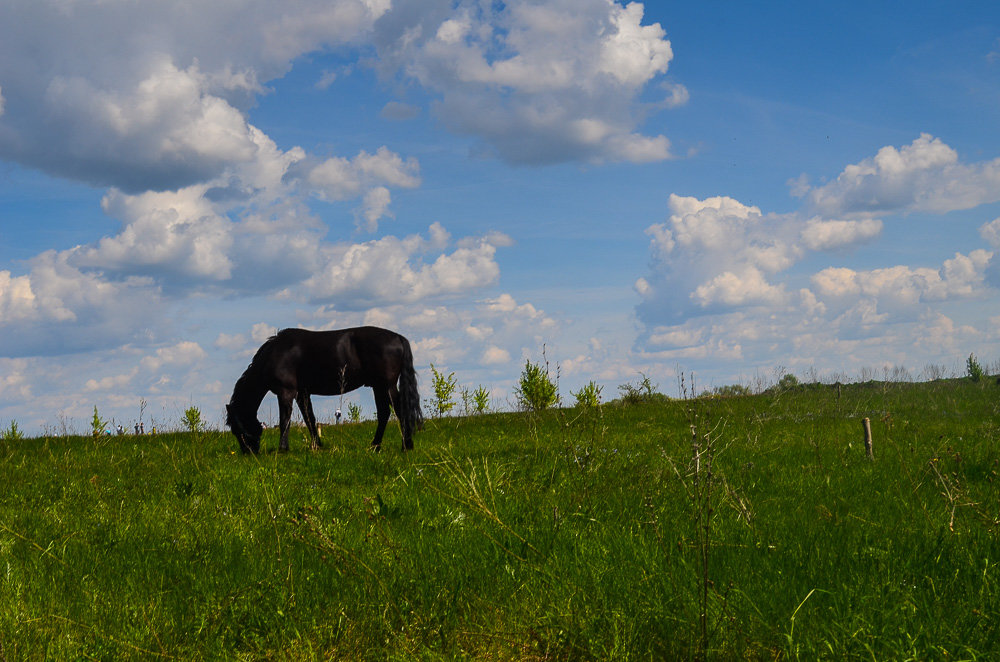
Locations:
column 745, row 527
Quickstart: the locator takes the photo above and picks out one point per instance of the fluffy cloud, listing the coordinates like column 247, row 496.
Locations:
column 249, row 231
column 184, row 353
column 494, row 355
column 141, row 97
column 392, row 270
column 366, row 175
column 63, row 305
column 537, row 82
column 738, row 289
column 341, row 179
column 713, row 253
column 728, row 281
column 176, row 232
column 991, row 232
column 57, row 308
column 901, row 286
column 14, row 383
column 925, row 175
column 820, row 235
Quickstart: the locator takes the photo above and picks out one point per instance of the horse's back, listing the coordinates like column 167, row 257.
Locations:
column 327, row 362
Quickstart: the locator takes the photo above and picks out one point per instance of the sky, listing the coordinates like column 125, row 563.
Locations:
column 728, row 190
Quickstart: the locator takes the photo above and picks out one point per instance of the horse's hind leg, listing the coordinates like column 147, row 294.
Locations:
column 382, row 409
column 404, row 421
column 305, row 406
column 285, row 398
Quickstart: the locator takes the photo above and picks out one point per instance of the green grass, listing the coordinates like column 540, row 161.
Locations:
column 560, row 536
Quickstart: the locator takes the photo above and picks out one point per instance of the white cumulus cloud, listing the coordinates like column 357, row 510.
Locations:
column 538, row 82
column 727, row 280
column 925, row 175
column 820, row 235
column 392, row 270
column 147, row 96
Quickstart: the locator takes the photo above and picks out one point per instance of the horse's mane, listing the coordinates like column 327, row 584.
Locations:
column 251, row 374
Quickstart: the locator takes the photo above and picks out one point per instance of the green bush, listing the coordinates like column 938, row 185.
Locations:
column 643, row 390
column 481, row 400
column 973, row 370
column 535, row 390
column 97, row 424
column 12, row 433
column 444, row 392
column 731, row 390
column 787, row 382
column 192, row 420
column 588, row 396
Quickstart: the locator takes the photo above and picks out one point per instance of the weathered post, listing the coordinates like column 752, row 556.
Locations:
column 867, row 424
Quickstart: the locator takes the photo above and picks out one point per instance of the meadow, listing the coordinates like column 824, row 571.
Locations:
column 749, row 527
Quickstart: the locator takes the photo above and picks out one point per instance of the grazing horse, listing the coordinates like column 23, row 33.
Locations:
column 295, row 364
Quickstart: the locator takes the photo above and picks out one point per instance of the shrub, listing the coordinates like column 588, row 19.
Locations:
column 97, row 424
column 354, row 412
column 731, row 390
column 535, row 390
column 192, row 420
column 481, row 400
column 588, row 396
column 643, row 390
column 787, row 382
column 12, row 433
column 444, row 391
column 973, row 370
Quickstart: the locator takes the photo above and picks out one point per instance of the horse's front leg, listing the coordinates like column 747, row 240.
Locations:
column 285, row 398
column 382, row 409
column 305, row 406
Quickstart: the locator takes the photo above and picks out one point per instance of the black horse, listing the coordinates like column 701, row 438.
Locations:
column 296, row 363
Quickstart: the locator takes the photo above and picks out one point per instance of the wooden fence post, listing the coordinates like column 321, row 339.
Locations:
column 867, row 424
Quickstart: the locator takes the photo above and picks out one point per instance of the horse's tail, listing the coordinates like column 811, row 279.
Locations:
column 410, row 416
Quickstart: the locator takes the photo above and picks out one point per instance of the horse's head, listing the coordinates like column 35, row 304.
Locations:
column 247, row 429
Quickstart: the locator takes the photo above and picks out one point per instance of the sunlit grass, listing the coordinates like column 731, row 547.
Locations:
column 564, row 535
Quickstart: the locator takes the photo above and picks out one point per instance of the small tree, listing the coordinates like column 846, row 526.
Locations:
column 192, row 420
column 354, row 412
column 973, row 370
column 97, row 424
column 787, row 382
column 481, row 400
column 444, row 391
column 588, row 397
column 535, row 390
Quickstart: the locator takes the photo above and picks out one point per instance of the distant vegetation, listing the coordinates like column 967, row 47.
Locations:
column 641, row 391
column 729, row 526
column 193, row 422
column 536, row 390
column 589, row 396
column 443, row 386
column 12, row 433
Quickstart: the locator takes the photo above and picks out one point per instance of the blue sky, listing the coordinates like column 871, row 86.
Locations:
column 719, row 188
